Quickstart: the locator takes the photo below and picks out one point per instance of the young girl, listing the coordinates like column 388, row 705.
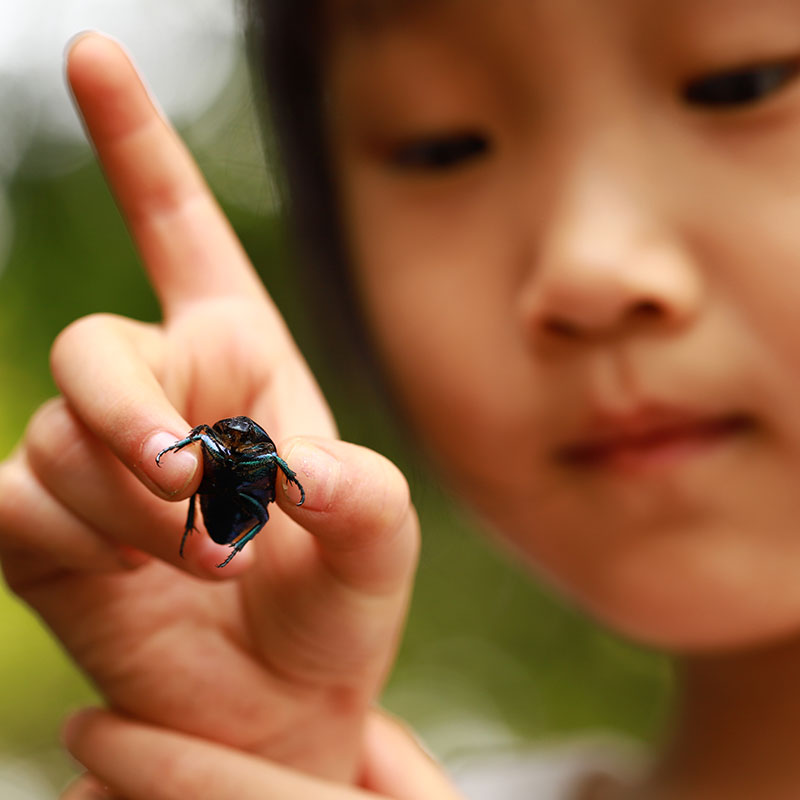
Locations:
column 572, row 230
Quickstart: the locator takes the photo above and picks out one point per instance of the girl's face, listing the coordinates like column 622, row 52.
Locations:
column 576, row 230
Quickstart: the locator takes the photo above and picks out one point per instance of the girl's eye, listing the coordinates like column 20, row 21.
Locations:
column 440, row 152
column 739, row 87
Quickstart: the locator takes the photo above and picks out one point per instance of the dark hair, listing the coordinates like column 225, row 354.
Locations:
column 286, row 42
column 287, row 39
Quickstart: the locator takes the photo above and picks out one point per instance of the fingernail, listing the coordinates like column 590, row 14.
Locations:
column 318, row 472
column 177, row 467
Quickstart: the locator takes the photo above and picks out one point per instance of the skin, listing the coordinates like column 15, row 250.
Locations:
column 183, row 766
column 615, row 249
column 282, row 653
column 600, row 258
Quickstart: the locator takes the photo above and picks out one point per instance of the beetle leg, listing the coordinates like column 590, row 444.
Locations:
column 260, row 513
column 239, row 544
column 202, row 433
column 291, row 476
column 214, row 448
column 189, row 522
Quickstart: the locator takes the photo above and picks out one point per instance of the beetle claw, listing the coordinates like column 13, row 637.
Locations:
column 300, row 487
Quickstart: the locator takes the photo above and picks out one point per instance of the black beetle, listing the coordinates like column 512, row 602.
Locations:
column 240, row 465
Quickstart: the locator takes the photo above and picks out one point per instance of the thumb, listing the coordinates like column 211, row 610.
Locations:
column 336, row 599
column 358, row 508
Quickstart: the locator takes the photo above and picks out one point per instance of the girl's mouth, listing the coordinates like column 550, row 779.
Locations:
column 650, row 439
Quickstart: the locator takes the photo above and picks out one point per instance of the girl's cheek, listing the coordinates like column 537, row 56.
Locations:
column 687, row 570
column 474, row 395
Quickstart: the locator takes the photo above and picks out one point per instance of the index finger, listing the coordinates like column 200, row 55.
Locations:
column 187, row 244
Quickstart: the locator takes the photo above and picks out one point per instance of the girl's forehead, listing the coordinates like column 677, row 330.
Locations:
column 381, row 14
column 387, row 31
column 651, row 32
column 373, row 21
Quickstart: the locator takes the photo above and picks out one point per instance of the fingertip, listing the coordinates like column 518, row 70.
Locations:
column 359, row 510
column 172, row 474
column 73, row 40
column 87, row 52
column 346, row 479
column 108, row 90
column 317, row 473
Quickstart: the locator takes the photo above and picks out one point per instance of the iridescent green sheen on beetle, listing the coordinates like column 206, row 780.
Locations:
column 240, row 467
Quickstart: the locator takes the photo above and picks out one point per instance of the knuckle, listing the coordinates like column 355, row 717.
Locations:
column 76, row 336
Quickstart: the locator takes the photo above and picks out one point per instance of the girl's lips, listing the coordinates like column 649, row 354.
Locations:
column 650, row 439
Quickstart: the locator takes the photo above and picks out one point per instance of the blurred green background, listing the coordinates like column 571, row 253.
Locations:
column 489, row 659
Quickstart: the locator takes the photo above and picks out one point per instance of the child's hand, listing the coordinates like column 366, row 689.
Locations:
column 138, row 762
column 285, row 657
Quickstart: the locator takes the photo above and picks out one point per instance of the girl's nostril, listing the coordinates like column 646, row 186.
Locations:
column 647, row 308
column 562, row 328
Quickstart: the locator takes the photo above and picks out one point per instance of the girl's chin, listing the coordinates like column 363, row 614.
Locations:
column 692, row 624
column 710, row 573
column 687, row 599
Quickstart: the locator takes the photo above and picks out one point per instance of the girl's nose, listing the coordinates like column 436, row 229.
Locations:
column 608, row 264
